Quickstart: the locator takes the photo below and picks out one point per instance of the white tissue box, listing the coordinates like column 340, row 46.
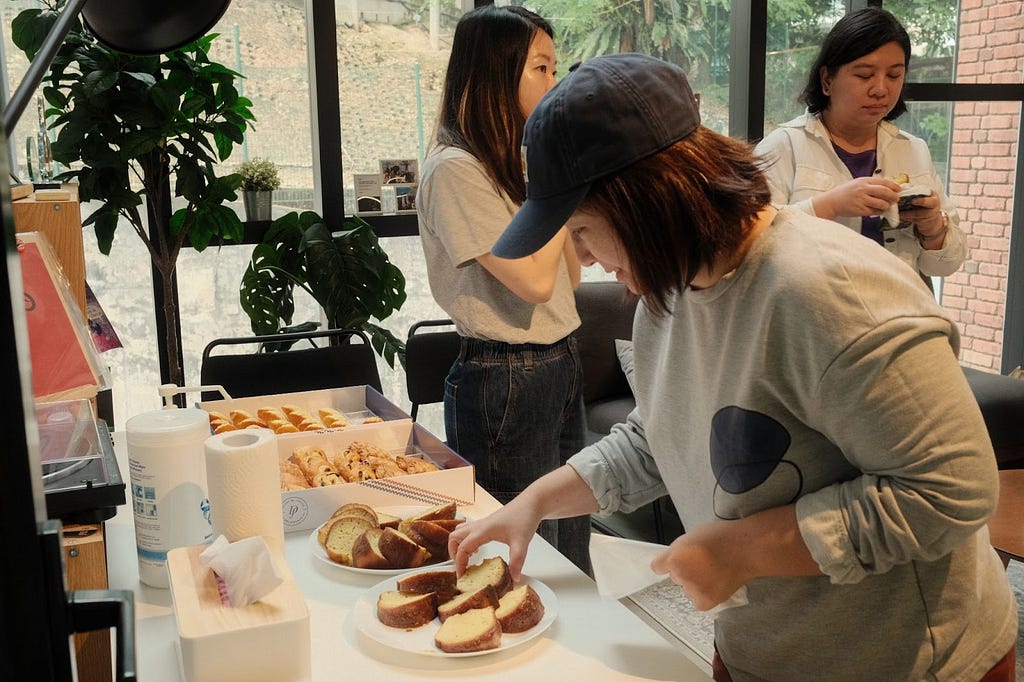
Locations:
column 267, row 640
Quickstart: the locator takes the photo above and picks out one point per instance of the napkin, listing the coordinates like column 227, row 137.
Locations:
column 245, row 567
column 622, row 567
column 891, row 215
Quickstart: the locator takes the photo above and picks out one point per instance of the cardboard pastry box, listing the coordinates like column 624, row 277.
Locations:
column 306, row 509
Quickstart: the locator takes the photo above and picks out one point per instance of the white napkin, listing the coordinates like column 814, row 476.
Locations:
column 622, row 567
column 891, row 215
column 245, row 566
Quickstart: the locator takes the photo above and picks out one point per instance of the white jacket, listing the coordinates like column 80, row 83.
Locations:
column 803, row 164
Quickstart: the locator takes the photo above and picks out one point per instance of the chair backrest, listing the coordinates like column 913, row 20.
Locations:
column 606, row 313
column 428, row 357
column 347, row 359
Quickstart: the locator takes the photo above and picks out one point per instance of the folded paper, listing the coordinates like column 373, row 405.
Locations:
column 623, row 567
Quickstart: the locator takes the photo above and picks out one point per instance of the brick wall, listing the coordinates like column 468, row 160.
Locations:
column 981, row 174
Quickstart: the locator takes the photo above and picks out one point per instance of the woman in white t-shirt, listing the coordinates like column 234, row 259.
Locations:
column 513, row 403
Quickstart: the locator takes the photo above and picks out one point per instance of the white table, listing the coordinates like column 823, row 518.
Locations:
column 592, row 638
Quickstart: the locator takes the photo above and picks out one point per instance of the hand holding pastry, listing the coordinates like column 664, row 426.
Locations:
column 858, row 197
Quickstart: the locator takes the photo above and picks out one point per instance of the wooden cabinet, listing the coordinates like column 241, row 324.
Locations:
column 85, row 560
column 61, row 222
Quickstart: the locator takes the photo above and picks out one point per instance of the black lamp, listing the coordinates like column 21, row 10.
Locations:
column 39, row 615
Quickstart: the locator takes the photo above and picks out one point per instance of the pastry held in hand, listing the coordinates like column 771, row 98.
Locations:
column 623, row 567
column 246, row 568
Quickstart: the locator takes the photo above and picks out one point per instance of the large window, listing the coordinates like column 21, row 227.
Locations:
column 390, row 61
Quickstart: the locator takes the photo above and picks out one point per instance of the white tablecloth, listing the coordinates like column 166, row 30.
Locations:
column 592, row 639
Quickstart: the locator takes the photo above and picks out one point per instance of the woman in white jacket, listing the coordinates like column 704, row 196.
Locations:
column 844, row 159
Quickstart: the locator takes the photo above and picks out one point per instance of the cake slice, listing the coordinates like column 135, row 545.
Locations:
column 401, row 550
column 485, row 597
column 431, row 536
column 388, row 520
column 406, row 609
column 474, row 630
column 441, row 583
column 341, row 537
column 366, row 550
column 441, row 511
column 519, row 610
column 493, row 571
column 448, row 524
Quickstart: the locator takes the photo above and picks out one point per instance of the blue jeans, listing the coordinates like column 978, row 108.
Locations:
column 515, row 411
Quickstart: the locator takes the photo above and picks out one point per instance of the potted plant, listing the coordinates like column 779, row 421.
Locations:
column 346, row 272
column 126, row 125
column 259, row 180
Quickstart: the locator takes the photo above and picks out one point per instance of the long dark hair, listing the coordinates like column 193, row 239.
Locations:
column 480, row 110
column 678, row 210
column 855, row 35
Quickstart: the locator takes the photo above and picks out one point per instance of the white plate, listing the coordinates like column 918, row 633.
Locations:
column 421, row 640
column 402, row 511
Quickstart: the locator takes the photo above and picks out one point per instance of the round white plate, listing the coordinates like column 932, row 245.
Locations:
column 403, row 511
column 421, row 640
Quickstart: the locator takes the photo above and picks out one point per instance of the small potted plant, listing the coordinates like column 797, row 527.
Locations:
column 259, row 180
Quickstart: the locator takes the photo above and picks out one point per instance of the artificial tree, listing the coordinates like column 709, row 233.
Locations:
column 138, row 130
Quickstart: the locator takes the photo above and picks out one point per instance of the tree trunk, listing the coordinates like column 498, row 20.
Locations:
column 164, row 255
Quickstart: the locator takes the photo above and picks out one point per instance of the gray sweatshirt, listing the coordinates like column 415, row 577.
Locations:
column 822, row 371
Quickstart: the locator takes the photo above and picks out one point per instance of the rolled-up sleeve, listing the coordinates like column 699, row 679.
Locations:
column 898, row 405
column 619, row 468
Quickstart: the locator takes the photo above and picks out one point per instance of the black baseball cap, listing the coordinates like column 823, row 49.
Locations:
column 606, row 114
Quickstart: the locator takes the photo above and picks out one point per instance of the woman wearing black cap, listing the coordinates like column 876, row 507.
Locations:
column 513, row 401
column 777, row 373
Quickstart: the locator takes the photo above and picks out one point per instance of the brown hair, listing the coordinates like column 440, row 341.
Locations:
column 480, row 110
column 676, row 211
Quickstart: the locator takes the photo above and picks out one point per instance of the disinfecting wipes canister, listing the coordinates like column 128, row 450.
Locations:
column 168, row 485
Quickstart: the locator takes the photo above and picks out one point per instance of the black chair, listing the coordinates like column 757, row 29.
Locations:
column 1001, row 400
column 345, row 358
column 428, row 357
column 606, row 312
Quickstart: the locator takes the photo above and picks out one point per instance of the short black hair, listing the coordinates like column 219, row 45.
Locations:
column 855, row 35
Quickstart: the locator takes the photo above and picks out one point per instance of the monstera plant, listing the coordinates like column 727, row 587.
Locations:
column 346, row 272
column 137, row 131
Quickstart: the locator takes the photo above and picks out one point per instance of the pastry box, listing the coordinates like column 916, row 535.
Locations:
column 361, row 406
column 453, row 478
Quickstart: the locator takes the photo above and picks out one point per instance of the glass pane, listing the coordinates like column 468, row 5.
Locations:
column 980, row 44
column 932, row 29
column 692, row 35
column 982, row 174
column 795, row 32
column 265, row 41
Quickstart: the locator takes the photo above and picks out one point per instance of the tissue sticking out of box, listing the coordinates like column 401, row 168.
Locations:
column 245, row 569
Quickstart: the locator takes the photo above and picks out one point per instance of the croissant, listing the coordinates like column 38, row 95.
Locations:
column 332, row 418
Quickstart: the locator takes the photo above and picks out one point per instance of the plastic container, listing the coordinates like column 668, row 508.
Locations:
column 166, row 462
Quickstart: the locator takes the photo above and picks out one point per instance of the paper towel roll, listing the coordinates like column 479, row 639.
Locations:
column 243, row 477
